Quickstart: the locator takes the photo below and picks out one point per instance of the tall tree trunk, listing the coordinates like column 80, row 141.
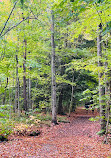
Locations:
column 18, row 98
column 72, row 93
column 13, row 96
column 53, row 92
column 60, row 108
column 30, row 103
column 17, row 88
column 110, row 96
column 4, row 97
column 24, row 80
column 101, row 86
column 17, row 81
column 10, row 101
column 107, row 94
column 29, row 93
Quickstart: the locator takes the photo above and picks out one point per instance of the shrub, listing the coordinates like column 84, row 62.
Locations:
column 5, row 121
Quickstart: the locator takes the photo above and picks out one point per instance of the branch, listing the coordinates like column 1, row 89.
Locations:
column 36, row 17
column 9, row 29
column 8, row 18
column 98, row 13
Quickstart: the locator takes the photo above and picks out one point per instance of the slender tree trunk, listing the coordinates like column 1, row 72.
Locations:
column 17, row 87
column 24, row 80
column 53, row 92
column 13, row 96
column 107, row 94
column 72, row 93
column 60, row 108
column 110, row 97
column 100, row 75
column 16, row 93
column 30, row 104
column 4, row 97
column 10, row 102
column 27, row 82
column 29, row 93
column 107, row 91
column 18, row 98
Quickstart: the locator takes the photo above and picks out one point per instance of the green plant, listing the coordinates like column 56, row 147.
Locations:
column 62, row 119
column 5, row 111
column 6, row 127
column 42, row 117
column 6, row 124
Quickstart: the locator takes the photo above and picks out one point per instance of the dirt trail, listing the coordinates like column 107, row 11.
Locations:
column 76, row 139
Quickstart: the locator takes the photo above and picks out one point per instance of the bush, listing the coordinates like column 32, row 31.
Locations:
column 5, row 127
column 5, row 122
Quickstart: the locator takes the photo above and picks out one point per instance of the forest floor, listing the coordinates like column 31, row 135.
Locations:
column 77, row 139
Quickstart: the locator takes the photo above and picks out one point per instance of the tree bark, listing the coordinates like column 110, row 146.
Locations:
column 110, row 97
column 101, row 86
column 30, row 103
column 107, row 88
column 4, row 97
column 72, row 93
column 60, row 108
column 16, row 107
column 29, row 93
column 24, row 80
column 53, row 92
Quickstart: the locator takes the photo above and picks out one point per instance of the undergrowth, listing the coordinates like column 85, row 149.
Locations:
column 10, row 121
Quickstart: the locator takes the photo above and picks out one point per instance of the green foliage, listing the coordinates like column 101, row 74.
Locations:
column 107, row 29
column 46, row 117
column 94, row 118
column 62, row 119
column 101, row 132
column 22, row 2
column 100, row 1
column 5, row 111
column 6, row 125
column 75, row 45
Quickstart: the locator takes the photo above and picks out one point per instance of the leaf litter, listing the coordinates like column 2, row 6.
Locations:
column 77, row 139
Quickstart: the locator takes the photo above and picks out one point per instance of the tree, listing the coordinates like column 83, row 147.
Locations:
column 101, row 86
column 54, row 110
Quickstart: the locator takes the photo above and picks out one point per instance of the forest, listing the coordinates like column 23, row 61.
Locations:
column 55, row 78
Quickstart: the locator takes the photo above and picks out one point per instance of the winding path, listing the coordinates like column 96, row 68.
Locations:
column 76, row 139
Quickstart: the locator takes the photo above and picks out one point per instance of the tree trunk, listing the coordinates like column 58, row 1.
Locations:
column 53, row 92
column 16, row 107
column 101, row 86
column 30, row 103
column 29, row 93
column 24, row 80
column 4, row 97
column 110, row 98
column 107, row 91
column 60, row 108
column 72, row 93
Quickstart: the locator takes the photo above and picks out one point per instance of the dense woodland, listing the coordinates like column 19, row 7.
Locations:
column 55, row 56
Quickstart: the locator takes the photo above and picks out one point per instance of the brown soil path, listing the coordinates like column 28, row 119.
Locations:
column 76, row 139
